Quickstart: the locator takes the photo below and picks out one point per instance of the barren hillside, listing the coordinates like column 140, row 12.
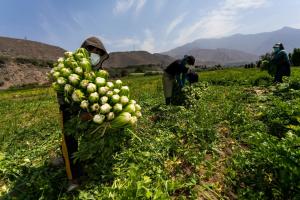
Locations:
column 30, row 49
column 24, row 62
column 134, row 58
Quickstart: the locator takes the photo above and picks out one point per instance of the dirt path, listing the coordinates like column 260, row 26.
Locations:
column 213, row 172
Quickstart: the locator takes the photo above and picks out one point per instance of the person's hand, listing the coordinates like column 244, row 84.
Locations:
column 86, row 116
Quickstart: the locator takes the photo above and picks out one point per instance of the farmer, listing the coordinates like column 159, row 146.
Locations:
column 98, row 55
column 176, row 72
column 281, row 62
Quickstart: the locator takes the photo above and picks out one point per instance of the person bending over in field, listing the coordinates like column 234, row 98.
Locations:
column 176, row 72
column 281, row 62
column 98, row 55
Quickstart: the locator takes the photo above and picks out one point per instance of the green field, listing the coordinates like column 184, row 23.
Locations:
column 239, row 139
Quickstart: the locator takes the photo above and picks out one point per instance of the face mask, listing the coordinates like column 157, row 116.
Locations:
column 276, row 49
column 95, row 59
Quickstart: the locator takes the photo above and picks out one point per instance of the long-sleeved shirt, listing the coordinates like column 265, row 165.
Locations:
column 282, row 63
column 178, row 70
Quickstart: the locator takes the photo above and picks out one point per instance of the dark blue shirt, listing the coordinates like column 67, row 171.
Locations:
column 178, row 70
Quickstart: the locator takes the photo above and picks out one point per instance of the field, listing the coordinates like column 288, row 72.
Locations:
column 237, row 137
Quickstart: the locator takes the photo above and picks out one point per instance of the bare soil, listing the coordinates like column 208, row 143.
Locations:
column 13, row 74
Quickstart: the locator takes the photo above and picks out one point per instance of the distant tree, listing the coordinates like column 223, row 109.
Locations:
column 266, row 56
column 218, row 66
column 139, row 70
column 290, row 58
column 258, row 64
column 296, row 57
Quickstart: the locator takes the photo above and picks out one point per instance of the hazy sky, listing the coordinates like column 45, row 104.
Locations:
column 152, row 25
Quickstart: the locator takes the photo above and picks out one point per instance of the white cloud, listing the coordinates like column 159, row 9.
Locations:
column 139, row 5
column 159, row 5
column 175, row 23
column 105, row 40
column 123, row 44
column 219, row 22
column 243, row 4
column 128, row 43
column 122, row 6
column 80, row 18
column 148, row 44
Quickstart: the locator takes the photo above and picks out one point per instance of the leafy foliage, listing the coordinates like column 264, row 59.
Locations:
column 296, row 57
column 223, row 147
column 268, row 167
column 189, row 95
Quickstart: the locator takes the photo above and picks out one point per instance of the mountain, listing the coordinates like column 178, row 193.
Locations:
column 256, row 44
column 24, row 62
column 217, row 56
column 134, row 58
column 12, row 47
